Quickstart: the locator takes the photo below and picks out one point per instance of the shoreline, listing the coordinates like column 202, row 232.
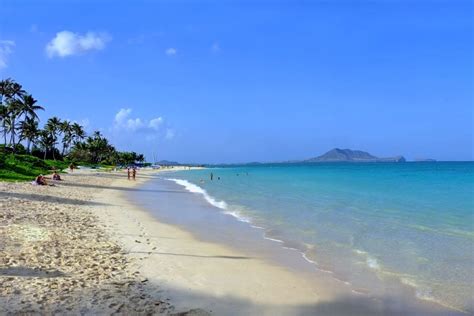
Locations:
column 325, row 280
column 198, row 274
column 172, row 270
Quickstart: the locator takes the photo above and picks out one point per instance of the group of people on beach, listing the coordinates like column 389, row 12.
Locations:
column 132, row 172
column 41, row 180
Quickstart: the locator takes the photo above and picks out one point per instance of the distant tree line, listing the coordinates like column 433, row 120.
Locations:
column 58, row 139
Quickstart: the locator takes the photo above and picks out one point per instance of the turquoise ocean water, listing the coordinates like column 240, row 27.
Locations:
column 364, row 223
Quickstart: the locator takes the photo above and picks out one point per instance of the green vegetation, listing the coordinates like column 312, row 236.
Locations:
column 28, row 150
column 14, row 167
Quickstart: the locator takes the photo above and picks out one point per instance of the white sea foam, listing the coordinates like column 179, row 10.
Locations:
column 238, row 216
column 373, row 263
column 191, row 187
column 273, row 239
column 370, row 261
column 360, row 252
column 307, row 259
column 421, row 292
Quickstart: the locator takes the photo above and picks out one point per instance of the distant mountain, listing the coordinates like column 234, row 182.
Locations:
column 425, row 160
column 348, row 155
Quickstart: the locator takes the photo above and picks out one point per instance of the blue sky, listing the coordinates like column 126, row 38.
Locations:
column 230, row 81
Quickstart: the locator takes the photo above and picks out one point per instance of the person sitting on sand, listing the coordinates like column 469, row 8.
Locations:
column 40, row 180
column 71, row 167
column 56, row 176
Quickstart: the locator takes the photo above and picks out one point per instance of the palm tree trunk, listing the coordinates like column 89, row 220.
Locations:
column 12, row 139
column 45, row 152
column 28, row 144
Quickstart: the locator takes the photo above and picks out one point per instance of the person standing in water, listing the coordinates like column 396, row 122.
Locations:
column 212, row 176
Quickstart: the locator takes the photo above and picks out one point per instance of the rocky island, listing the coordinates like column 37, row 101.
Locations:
column 348, row 155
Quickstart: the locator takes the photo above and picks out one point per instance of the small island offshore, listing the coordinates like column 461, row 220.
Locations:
column 348, row 155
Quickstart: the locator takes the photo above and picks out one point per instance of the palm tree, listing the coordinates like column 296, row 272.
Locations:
column 3, row 117
column 99, row 147
column 46, row 141
column 28, row 106
column 67, row 130
column 29, row 131
column 53, row 127
column 78, row 133
column 10, row 89
column 13, row 111
column 140, row 158
column 9, row 126
column 10, row 92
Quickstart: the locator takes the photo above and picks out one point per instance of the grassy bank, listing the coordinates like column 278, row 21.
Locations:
column 26, row 167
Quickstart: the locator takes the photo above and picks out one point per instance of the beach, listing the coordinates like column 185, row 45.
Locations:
column 82, row 246
column 56, row 257
column 79, row 247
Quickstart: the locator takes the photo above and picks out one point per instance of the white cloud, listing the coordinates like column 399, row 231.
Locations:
column 171, row 51
column 155, row 123
column 67, row 43
column 122, row 115
column 134, row 124
column 215, row 48
column 123, row 121
column 6, row 48
column 169, row 133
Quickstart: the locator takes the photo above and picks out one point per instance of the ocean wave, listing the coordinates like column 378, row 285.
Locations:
column 238, row 216
column 369, row 260
column 421, row 292
column 273, row 239
column 305, row 257
column 373, row 263
column 191, row 187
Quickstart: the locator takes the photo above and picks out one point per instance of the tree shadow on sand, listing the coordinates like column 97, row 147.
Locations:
column 340, row 306
column 30, row 272
column 192, row 303
column 47, row 198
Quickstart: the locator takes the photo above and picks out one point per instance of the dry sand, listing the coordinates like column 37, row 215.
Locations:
column 56, row 257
